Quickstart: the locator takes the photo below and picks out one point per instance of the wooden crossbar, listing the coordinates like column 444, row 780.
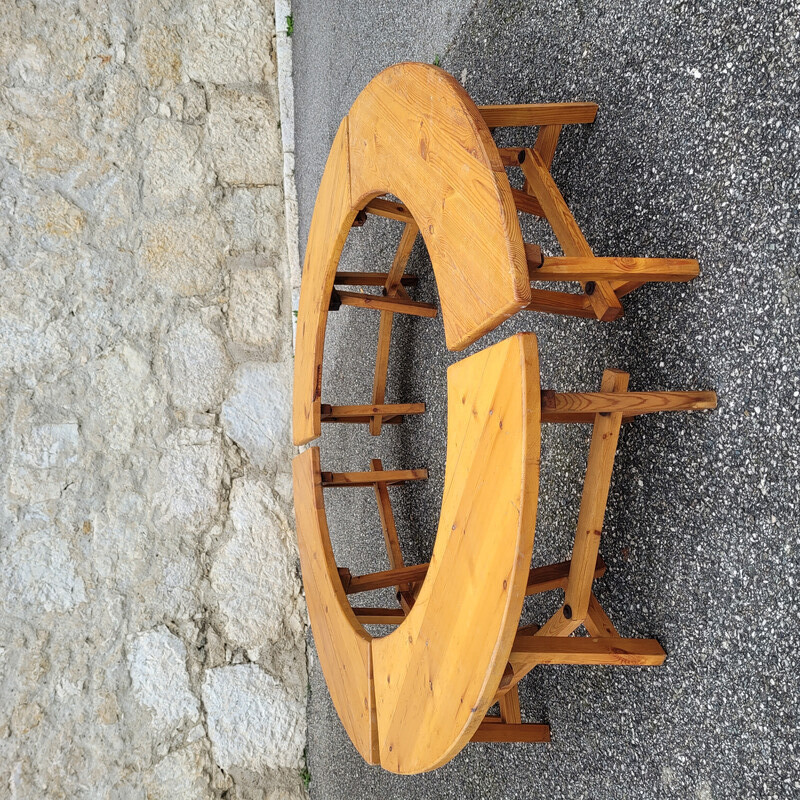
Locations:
column 389, row 477
column 370, row 279
column 521, row 115
column 565, row 268
column 379, row 616
column 582, row 406
column 364, row 413
column 490, row 731
column 388, row 209
column 385, row 579
column 527, row 203
column 393, row 286
column 599, row 467
column 551, row 302
column 398, row 305
column 588, row 650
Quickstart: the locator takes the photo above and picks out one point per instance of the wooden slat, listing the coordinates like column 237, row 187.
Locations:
column 603, row 300
column 509, row 707
column 396, row 304
column 564, row 268
column 527, row 203
column 552, row 302
column 528, row 733
column 387, row 578
column 599, row 467
column 392, row 287
column 386, row 410
column 497, row 116
column 559, row 406
column 554, row 576
column 379, row 616
column 394, row 419
column 369, row 279
column 391, row 539
column 546, row 143
column 597, row 622
column 588, row 650
column 389, row 209
column 391, row 476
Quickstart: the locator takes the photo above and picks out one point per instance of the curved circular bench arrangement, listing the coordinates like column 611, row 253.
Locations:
column 410, row 701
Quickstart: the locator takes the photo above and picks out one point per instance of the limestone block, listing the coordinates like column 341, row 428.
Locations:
column 198, row 365
column 180, row 774
column 254, row 221
column 229, row 42
column 40, row 470
column 123, row 397
column 174, row 177
column 253, row 573
column 258, row 411
column 183, row 252
column 244, row 137
column 160, row 682
column 191, row 474
column 253, row 722
column 38, row 575
column 256, row 313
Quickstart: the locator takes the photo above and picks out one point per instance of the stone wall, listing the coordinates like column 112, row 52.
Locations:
column 152, row 625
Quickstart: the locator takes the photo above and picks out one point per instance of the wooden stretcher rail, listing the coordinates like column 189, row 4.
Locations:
column 389, row 477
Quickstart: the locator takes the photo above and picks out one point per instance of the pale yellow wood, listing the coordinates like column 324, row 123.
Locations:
column 416, row 134
column 343, row 646
column 561, row 406
column 434, row 676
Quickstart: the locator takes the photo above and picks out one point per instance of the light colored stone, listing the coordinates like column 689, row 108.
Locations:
column 254, row 221
column 181, row 774
column 160, row 682
column 257, row 412
column 244, row 138
column 229, row 42
column 175, row 177
column 253, row 722
column 253, row 574
column 39, row 575
column 183, row 253
column 191, row 471
column 198, row 365
column 256, row 313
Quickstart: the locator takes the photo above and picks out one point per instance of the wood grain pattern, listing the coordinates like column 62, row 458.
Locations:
column 520, row 115
column 435, row 679
column 563, row 268
column 416, row 134
column 560, row 406
column 343, row 646
column 588, row 650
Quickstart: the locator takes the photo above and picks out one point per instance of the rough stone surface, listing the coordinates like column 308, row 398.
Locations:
column 253, row 722
column 144, row 554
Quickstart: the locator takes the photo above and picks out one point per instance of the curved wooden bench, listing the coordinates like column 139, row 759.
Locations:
column 413, row 132
column 437, row 674
column 343, row 646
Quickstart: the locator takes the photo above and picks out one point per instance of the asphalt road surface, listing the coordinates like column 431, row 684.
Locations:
column 694, row 153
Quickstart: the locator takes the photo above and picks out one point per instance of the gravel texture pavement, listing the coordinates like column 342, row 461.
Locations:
column 694, row 153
